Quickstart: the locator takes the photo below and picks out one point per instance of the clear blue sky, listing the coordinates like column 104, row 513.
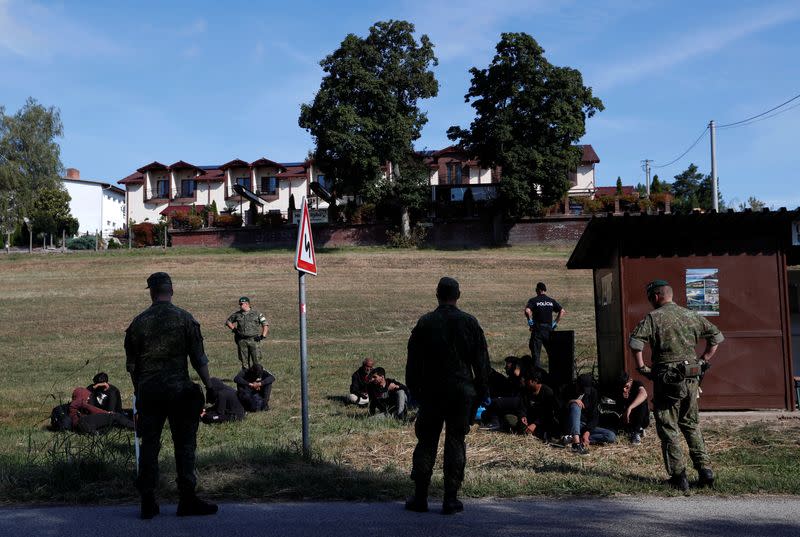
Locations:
column 207, row 82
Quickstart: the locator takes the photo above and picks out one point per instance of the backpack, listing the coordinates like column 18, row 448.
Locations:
column 59, row 418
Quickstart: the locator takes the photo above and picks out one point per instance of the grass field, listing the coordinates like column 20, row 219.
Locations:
column 62, row 319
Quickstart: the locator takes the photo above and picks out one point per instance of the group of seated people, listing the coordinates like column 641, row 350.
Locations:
column 98, row 407
column 385, row 396
column 521, row 401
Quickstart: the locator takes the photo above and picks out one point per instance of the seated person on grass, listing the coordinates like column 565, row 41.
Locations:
column 87, row 418
column 583, row 415
column 387, row 396
column 105, row 395
column 635, row 412
column 254, row 387
column 505, row 397
column 225, row 405
column 359, row 383
column 537, row 412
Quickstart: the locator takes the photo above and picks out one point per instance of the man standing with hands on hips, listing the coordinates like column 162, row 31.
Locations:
column 539, row 314
column 249, row 328
column 672, row 333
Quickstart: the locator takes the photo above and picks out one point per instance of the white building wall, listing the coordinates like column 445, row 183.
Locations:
column 139, row 211
column 113, row 214
column 85, row 205
column 585, row 180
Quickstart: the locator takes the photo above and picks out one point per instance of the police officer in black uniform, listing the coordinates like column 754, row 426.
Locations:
column 539, row 314
column 157, row 344
column 447, row 373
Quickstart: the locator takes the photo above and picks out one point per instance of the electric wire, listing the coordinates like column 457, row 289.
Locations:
column 751, row 122
column 759, row 115
column 670, row 163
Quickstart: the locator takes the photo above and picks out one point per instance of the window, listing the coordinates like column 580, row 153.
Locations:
column 188, row 187
column 269, row 185
column 453, row 173
column 243, row 181
column 324, row 182
column 162, row 189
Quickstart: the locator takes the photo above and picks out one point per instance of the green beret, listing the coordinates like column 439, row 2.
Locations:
column 243, row 300
column 655, row 284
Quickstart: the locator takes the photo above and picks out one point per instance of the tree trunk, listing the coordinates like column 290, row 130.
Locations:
column 405, row 222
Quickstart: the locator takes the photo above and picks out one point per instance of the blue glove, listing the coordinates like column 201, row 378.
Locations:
column 531, row 322
column 555, row 325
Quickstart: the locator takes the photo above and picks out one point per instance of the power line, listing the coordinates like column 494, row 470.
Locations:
column 759, row 115
column 670, row 163
column 765, row 117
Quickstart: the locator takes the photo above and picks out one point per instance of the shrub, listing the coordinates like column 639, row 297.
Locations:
column 144, row 234
column 84, row 242
column 114, row 244
column 228, row 220
column 414, row 240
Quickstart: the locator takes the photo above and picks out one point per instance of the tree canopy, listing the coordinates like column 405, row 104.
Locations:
column 366, row 111
column 529, row 114
column 692, row 190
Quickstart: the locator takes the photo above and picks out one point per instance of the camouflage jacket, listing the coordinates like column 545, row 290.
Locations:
column 157, row 344
column 673, row 333
column 248, row 324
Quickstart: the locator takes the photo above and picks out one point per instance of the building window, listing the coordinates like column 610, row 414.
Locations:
column 269, row 185
column 188, row 187
column 453, row 173
column 162, row 189
column 243, row 181
column 324, row 182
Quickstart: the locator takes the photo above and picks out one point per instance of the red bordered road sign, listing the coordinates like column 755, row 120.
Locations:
column 305, row 260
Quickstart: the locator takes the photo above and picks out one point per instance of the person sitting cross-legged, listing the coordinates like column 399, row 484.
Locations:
column 359, row 383
column 87, row 418
column 254, row 387
column 387, row 396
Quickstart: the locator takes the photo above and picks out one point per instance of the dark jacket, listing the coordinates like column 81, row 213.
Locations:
column 109, row 399
column 447, row 357
column 223, row 401
column 359, row 382
column 380, row 398
column 541, row 409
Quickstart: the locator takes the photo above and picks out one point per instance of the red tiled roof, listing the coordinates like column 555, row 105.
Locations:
column 182, row 165
column 155, row 165
column 212, row 175
column 181, row 209
column 134, row 178
column 612, row 190
column 589, row 156
column 266, row 162
column 235, row 163
column 293, row 171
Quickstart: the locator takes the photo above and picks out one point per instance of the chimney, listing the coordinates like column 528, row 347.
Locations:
column 73, row 173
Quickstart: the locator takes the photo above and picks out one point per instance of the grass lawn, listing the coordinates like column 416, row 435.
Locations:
column 63, row 316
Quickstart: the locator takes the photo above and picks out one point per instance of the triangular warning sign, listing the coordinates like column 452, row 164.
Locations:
column 305, row 260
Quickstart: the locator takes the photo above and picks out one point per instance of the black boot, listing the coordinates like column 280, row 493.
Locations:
column 419, row 501
column 149, row 506
column 706, row 476
column 679, row 482
column 191, row 505
column 451, row 504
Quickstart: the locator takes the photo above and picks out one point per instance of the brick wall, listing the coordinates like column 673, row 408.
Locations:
column 454, row 234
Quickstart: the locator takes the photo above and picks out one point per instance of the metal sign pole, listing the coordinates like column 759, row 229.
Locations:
column 304, row 366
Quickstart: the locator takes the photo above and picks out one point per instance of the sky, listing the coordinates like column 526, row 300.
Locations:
column 207, row 82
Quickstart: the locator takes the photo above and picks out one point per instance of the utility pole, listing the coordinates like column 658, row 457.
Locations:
column 714, row 190
column 646, row 163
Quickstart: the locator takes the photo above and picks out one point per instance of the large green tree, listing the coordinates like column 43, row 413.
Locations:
column 529, row 114
column 50, row 213
column 693, row 190
column 366, row 112
column 30, row 159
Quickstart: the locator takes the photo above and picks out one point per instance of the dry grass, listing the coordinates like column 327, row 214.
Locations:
column 62, row 319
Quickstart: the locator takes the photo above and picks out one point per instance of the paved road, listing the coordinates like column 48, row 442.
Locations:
column 645, row 517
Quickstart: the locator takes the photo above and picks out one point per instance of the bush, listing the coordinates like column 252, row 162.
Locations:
column 414, row 240
column 84, row 242
column 114, row 244
column 144, row 234
column 228, row 220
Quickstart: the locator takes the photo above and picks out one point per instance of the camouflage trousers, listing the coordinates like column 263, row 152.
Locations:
column 181, row 407
column 454, row 416
column 249, row 351
column 676, row 417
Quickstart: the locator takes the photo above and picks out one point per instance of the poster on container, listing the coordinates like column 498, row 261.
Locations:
column 702, row 291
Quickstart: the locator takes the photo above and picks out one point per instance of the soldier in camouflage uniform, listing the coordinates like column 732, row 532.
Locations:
column 249, row 328
column 673, row 333
column 157, row 344
column 447, row 373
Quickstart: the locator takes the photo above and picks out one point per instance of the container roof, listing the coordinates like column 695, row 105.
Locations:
column 666, row 235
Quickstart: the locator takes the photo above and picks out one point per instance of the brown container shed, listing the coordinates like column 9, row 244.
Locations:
column 731, row 267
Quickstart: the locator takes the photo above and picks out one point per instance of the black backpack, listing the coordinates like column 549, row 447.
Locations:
column 59, row 418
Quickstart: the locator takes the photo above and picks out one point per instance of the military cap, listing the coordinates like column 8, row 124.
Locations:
column 655, row 284
column 243, row 300
column 447, row 288
column 159, row 279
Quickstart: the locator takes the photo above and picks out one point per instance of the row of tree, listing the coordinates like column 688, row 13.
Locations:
column 31, row 190
column 366, row 116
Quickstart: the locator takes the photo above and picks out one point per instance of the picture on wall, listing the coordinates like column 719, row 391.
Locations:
column 702, row 291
